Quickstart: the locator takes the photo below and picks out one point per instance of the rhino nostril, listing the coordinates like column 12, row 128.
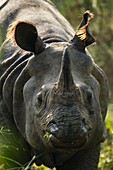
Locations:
column 53, row 128
column 84, row 129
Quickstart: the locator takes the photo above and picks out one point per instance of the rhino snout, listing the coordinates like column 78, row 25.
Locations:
column 67, row 136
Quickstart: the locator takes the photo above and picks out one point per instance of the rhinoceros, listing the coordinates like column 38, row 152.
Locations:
column 51, row 90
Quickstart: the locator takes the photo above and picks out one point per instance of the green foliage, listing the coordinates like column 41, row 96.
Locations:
column 47, row 135
column 42, row 167
column 106, row 157
column 13, row 154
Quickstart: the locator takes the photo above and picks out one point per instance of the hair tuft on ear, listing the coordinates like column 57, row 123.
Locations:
column 82, row 30
column 25, row 35
column 83, row 37
column 11, row 30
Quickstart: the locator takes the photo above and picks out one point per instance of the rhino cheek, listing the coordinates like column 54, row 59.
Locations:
column 97, row 130
column 30, row 130
column 31, row 134
column 100, row 128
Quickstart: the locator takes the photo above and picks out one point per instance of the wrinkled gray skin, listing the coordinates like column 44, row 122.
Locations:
column 55, row 95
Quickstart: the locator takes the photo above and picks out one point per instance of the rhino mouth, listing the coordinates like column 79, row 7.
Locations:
column 68, row 137
column 74, row 144
column 67, row 145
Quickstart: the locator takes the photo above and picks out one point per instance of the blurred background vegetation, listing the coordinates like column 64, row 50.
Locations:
column 102, row 29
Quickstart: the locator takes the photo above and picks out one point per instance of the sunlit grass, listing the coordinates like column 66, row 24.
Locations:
column 42, row 167
column 106, row 157
column 13, row 154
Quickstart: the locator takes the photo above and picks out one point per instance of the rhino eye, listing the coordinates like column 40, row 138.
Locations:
column 39, row 99
column 90, row 102
column 89, row 97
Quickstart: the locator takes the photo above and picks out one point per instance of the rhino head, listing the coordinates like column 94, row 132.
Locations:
column 69, row 108
column 57, row 103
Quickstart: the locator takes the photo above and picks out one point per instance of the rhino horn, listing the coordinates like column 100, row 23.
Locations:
column 65, row 81
column 83, row 37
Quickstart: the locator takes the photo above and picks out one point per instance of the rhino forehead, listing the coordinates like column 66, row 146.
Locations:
column 48, row 62
column 81, row 62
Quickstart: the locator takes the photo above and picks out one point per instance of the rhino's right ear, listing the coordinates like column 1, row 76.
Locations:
column 26, row 36
column 83, row 37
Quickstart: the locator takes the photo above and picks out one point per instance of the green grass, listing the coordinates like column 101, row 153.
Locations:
column 106, row 157
column 14, row 152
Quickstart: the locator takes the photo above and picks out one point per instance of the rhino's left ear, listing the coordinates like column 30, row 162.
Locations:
column 83, row 37
column 26, row 36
